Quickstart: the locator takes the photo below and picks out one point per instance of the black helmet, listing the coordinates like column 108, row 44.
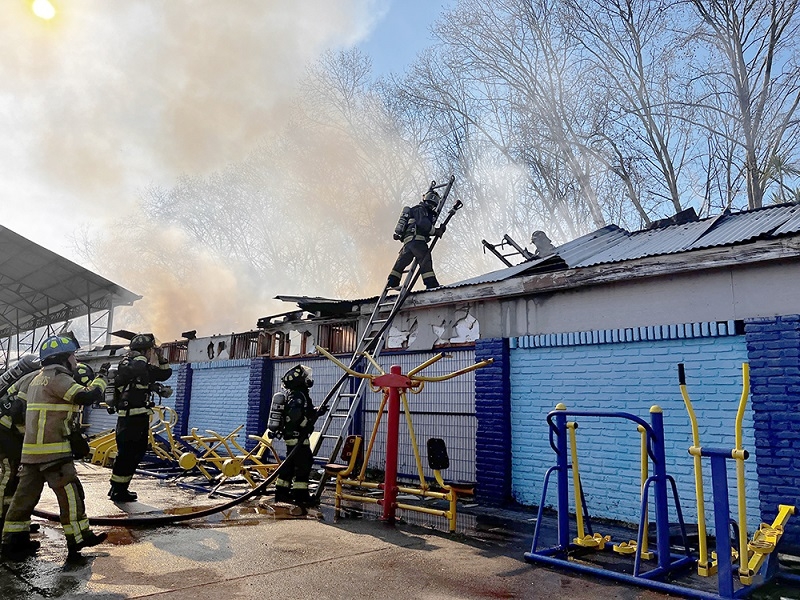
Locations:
column 83, row 374
column 431, row 199
column 297, row 378
column 143, row 341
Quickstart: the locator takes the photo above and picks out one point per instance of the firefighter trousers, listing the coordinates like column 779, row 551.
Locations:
column 294, row 472
column 132, row 439
column 63, row 480
column 10, row 455
column 414, row 249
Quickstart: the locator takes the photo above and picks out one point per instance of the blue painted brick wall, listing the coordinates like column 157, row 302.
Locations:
column 183, row 397
column 774, row 348
column 219, row 396
column 630, row 377
column 259, row 398
column 492, row 410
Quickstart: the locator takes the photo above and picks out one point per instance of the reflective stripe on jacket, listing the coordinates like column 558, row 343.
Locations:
column 49, row 416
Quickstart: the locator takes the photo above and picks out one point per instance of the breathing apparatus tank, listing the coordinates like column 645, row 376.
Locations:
column 27, row 364
column 402, row 223
column 275, row 421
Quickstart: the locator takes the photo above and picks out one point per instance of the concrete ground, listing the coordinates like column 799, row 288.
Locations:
column 256, row 551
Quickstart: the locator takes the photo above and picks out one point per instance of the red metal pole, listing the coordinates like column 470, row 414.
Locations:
column 392, row 436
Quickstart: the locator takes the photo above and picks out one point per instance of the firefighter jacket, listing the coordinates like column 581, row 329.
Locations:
column 12, row 409
column 299, row 416
column 135, row 376
column 54, row 400
column 420, row 224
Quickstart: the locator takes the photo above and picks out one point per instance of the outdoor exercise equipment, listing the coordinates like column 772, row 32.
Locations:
column 393, row 385
column 756, row 556
column 653, row 448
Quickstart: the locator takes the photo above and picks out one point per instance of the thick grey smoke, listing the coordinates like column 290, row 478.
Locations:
column 109, row 98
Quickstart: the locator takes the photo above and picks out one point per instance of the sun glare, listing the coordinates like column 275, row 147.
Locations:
column 43, row 9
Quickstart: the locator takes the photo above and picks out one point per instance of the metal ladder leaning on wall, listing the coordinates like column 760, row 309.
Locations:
column 346, row 394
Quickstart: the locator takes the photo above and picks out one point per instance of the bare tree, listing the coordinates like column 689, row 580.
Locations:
column 753, row 79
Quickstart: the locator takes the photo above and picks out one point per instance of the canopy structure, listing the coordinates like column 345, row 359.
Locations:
column 41, row 291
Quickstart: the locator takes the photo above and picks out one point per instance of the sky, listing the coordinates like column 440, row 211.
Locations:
column 106, row 99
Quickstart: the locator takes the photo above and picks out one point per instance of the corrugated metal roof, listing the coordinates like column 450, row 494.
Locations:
column 612, row 244
column 742, row 227
column 668, row 240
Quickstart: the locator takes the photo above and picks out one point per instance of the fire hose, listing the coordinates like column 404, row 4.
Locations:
column 169, row 519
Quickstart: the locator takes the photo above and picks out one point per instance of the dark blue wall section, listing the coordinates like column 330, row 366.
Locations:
column 492, row 409
column 773, row 346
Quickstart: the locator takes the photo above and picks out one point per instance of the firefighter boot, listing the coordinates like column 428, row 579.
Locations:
column 393, row 282
column 283, row 494
column 301, row 498
column 89, row 539
column 121, row 493
column 18, row 546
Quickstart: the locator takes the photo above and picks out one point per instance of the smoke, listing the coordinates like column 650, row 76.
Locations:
column 109, row 99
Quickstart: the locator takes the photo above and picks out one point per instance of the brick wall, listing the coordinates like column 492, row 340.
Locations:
column 259, row 398
column 492, row 409
column 774, row 348
column 219, row 396
column 183, row 396
column 628, row 376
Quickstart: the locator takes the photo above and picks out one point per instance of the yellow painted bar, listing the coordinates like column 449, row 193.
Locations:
column 703, row 568
column 576, row 479
column 373, row 435
column 645, row 473
column 483, row 363
column 745, row 575
column 425, row 365
column 364, row 484
column 413, row 437
column 361, row 499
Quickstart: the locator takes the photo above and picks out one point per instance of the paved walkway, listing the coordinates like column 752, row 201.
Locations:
column 254, row 553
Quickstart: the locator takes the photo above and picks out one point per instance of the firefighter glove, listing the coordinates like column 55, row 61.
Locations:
column 321, row 410
column 439, row 231
column 103, row 372
column 270, row 434
column 110, row 410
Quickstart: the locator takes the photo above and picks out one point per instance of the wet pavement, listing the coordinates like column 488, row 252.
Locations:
column 258, row 550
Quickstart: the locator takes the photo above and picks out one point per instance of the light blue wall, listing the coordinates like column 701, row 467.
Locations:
column 628, row 376
column 219, row 396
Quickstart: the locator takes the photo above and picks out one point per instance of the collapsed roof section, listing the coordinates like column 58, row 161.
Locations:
column 39, row 288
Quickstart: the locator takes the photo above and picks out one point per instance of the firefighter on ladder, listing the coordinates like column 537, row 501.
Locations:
column 292, row 416
column 139, row 375
column 415, row 229
column 51, row 428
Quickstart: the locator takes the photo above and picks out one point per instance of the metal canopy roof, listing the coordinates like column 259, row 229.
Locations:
column 40, row 288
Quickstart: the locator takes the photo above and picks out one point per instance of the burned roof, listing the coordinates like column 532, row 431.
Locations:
column 612, row 244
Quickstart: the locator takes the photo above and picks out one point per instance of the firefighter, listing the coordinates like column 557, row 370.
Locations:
column 139, row 374
column 297, row 423
column 12, row 432
column 415, row 238
column 53, row 404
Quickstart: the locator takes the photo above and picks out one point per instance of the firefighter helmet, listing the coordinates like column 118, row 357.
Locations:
column 58, row 344
column 297, row 377
column 143, row 341
column 83, row 374
column 431, row 199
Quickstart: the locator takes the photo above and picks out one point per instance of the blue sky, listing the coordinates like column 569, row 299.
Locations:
column 402, row 33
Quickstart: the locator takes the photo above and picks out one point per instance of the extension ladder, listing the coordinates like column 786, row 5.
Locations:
column 346, row 394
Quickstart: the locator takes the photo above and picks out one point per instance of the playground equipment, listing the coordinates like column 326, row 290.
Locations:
column 758, row 562
column 394, row 386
